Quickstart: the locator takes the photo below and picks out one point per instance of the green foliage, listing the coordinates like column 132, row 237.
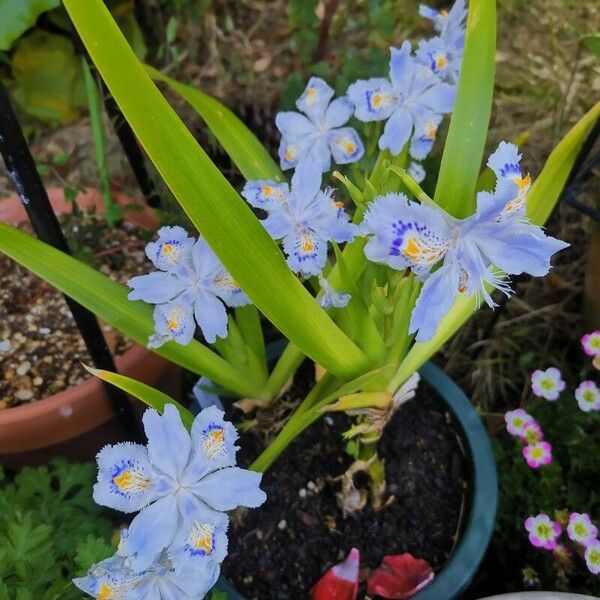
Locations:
column 592, row 43
column 17, row 16
column 465, row 143
column 45, row 78
column 302, row 21
column 215, row 208
column 50, row 531
column 48, row 82
column 248, row 154
column 566, row 484
column 147, row 394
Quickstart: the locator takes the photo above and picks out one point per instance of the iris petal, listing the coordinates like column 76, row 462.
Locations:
column 169, row 442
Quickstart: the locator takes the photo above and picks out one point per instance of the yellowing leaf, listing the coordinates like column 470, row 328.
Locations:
column 48, row 77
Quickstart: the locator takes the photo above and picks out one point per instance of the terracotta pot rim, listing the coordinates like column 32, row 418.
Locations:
column 84, row 406
column 79, row 392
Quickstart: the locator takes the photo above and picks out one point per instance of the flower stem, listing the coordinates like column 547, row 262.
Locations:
column 306, row 414
column 375, row 470
column 112, row 212
column 284, row 370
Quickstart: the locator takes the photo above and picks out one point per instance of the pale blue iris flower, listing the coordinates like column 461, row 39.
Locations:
column 330, row 298
column 505, row 163
column 416, row 171
column 424, row 136
column 113, row 579
column 455, row 256
column 450, row 25
column 439, row 58
column 303, row 216
column 203, row 394
column 191, row 286
column 442, row 54
column 319, row 132
column 181, row 483
column 109, row 579
column 408, row 101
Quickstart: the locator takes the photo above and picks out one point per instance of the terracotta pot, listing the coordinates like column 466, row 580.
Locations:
column 78, row 421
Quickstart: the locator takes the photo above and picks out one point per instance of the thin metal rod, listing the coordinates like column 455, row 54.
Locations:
column 25, row 177
column 127, row 138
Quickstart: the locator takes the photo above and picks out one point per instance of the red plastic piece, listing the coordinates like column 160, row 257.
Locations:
column 399, row 577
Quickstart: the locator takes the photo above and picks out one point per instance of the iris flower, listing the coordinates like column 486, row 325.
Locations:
column 319, row 131
column 204, row 396
column 190, row 286
column 113, row 579
column 441, row 58
column 330, row 297
column 416, row 171
column 442, row 54
column 181, row 483
column 304, row 216
column 448, row 24
column 408, row 101
column 454, row 256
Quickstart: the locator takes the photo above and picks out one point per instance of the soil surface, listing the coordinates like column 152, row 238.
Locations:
column 280, row 550
column 45, row 348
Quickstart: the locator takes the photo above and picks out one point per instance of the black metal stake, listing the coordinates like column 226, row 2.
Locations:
column 129, row 142
column 25, row 177
column 131, row 148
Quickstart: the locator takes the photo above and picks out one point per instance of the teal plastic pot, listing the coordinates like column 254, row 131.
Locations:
column 457, row 573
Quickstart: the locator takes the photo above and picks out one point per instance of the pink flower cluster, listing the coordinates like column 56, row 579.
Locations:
column 522, row 425
column 544, row 533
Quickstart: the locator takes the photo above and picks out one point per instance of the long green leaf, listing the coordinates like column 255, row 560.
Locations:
column 242, row 146
column 227, row 223
column 147, row 394
column 108, row 300
column 541, row 199
column 547, row 188
column 463, row 151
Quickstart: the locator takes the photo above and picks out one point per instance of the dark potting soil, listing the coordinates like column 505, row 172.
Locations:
column 277, row 552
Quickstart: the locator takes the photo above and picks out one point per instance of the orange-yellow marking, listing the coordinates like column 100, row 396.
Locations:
column 214, row 442
column 105, row 592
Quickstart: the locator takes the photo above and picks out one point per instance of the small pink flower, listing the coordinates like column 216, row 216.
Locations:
column 591, row 343
column 592, row 557
column 587, row 395
column 532, row 433
column 581, row 529
column 516, row 421
column 547, row 384
column 542, row 531
column 538, row 454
